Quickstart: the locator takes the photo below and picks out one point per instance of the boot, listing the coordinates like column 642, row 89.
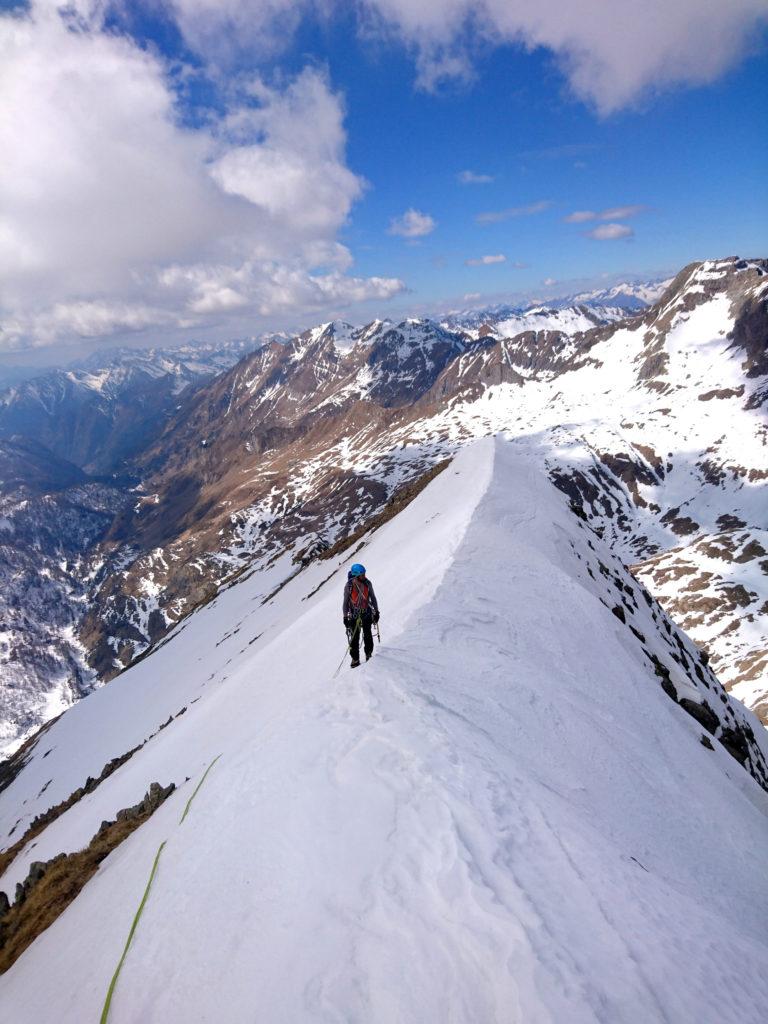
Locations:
column 355, row 664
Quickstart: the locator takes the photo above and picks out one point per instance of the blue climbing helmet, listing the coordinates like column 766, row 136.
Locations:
column 356, row 570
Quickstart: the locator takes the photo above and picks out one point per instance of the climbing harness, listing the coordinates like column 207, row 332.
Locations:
column 137, row 916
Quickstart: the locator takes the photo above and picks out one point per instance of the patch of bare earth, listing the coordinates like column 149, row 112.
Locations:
column 51, row 886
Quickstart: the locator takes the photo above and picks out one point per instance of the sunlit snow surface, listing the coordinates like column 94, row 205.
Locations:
column 501, row 818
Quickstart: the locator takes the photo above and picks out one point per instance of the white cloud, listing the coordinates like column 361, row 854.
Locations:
column 613, row 213
column 612, row 55
column 471, row 178
column 621, row 212
column 412, row 224
column 113, row 217
column 223, row 28
column 610, row 232
column 496, row 216
column 295, row 172
column 580, row 216
column 549, row 281
column 485, row 261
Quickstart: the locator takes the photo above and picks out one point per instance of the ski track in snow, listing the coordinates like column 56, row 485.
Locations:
column 473, row 828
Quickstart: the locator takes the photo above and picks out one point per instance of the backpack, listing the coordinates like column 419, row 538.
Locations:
column 359, row 596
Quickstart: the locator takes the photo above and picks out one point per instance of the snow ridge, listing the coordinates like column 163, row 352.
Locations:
column 503, row 809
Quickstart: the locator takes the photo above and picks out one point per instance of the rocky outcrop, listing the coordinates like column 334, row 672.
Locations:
column 50, row 886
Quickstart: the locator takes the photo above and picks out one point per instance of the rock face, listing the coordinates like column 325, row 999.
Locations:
column 716, row 588
column 653, row 425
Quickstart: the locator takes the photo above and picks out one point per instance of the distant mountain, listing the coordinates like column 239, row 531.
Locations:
column 632, row 297
column 65, row 441
column 101, row 410
column 52, row 516
column 507, row 322
column 569, row 313
column 653, row 425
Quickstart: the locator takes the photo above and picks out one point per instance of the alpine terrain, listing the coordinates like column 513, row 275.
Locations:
column 543, row 799
column 492, row 816
column 654, row 425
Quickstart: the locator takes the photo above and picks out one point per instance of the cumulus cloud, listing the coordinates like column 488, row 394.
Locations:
column 221, row 28
column 412, row 224
column 485, row 261
column 114, row 217
column 611, row 55
column 610, row 232
column 471, row 178
column 496, row 216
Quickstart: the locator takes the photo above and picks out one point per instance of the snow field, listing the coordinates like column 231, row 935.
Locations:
column 501, row 818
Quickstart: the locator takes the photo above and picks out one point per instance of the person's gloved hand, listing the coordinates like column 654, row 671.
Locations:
column 375, row 618
column 349, row 623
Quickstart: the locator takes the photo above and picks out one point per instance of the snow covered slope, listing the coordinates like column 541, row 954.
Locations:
column 503, row 816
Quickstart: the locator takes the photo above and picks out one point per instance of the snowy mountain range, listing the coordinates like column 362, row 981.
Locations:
column 653, row 425
column 581, row 310
column 538, row 795
column 632, row 297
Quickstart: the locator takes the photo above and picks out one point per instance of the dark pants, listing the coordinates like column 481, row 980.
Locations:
column 365, row 628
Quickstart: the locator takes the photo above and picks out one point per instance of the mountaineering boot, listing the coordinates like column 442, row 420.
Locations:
column 355, row 664
column 368, row 657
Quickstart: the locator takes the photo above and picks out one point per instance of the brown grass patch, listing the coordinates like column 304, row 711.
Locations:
column 51, row 887
column 43, row 820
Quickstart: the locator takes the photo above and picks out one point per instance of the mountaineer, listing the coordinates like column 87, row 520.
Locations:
column 361, row 611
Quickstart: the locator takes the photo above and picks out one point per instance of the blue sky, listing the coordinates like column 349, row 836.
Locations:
column 217, row 170
column 696, row 159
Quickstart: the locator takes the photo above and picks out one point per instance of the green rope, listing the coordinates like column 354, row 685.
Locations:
column 111, row 989
column 113, row 983
column 197, row 787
